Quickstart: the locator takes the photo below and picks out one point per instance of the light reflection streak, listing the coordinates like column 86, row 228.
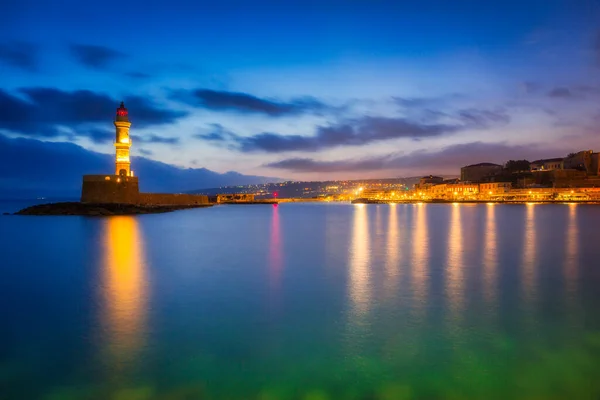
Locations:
column 571, row 248
column 529, row 256
column 124, row 290
column 359, row 262
column 455, row 267
column 393, row 253
column 275, row 257
column 490, row 260
column 420, row 257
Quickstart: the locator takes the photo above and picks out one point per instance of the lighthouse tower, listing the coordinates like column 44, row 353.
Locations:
column 122, row 142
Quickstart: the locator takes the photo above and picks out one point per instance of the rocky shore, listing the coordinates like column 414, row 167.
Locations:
column 98, row 210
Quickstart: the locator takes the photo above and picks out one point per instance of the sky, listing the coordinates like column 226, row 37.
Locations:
column 305, row 90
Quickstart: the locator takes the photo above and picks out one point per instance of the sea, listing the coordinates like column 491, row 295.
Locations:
column 303, row 301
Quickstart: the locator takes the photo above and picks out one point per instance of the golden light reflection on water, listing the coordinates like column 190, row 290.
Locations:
column 359, row 261
column 490, row 259
column 125, row 289
column 529, row 256
column 455, row 268
column 571, row 249
column 420, row 259
column 392, row 272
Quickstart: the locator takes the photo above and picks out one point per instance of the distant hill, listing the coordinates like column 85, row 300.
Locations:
column 33, row 168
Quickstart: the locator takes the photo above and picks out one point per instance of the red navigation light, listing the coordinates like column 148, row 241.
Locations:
column 122, row 111
column 274, row 194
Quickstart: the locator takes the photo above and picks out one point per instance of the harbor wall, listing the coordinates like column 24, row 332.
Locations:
column 172, row 199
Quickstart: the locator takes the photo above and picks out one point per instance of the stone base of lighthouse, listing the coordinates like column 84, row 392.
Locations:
column 110, row 189
column 103, row 189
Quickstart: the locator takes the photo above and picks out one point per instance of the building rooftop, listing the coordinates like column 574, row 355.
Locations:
column 484, row 164
column 545, row 160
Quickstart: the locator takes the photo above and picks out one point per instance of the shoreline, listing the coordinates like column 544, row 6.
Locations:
column 366, row 201
column 101, row 209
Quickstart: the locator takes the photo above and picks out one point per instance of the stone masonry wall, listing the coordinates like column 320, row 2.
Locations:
column 110, row 189
column 171, row 199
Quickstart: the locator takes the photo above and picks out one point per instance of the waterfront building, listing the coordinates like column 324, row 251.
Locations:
column 427, row 181
column 477, row 172
column 494, row 189
column 548, row 164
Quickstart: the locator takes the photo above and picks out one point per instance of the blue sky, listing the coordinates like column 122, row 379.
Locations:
column 307, row 90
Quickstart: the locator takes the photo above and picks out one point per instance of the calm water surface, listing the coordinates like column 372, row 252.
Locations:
column 303, row 301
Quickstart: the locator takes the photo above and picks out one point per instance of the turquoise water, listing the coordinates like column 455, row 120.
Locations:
column 303, row 301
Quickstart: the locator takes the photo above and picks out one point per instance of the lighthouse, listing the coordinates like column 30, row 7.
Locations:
column 122, row 142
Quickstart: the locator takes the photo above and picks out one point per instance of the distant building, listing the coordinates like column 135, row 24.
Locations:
column 234, row 198
column 548, row 164
column 477, row 172
column 428, row 181
column 494, row 188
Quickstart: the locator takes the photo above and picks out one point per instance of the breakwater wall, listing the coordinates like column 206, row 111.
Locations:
column 164, row 199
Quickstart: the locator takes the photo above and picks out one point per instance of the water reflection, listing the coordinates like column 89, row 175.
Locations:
column 275, row 257
column 125, row 289
column 529, row 256
column 393, row 253
column 571, row 249
column 360, row 295
column 490, row 259
column 420, row 259
column 455, row 268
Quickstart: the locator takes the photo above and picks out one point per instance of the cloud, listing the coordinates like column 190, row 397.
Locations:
column 247, row 104
column 362, row 131
column 450, row 158
column 34, row 168
column 152, row 138
column 41, row 111
column 96, row 57
column 578, row 92
column 22, row 55
column 561, row 92
column 145, row 152
column 216, row 133
column 97, row 135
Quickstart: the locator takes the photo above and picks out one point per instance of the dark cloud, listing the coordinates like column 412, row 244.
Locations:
column 92, row 56
column 216, row 133
column 484, row 118
column 448, row 159
column 363, row 131
column 246, row 103
column 36, row 168
column 561, row 92
column 22, row 55
column 145, row 152
column 42, row 110
column 152, row 138
column 576, row 92
column 97, row 135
